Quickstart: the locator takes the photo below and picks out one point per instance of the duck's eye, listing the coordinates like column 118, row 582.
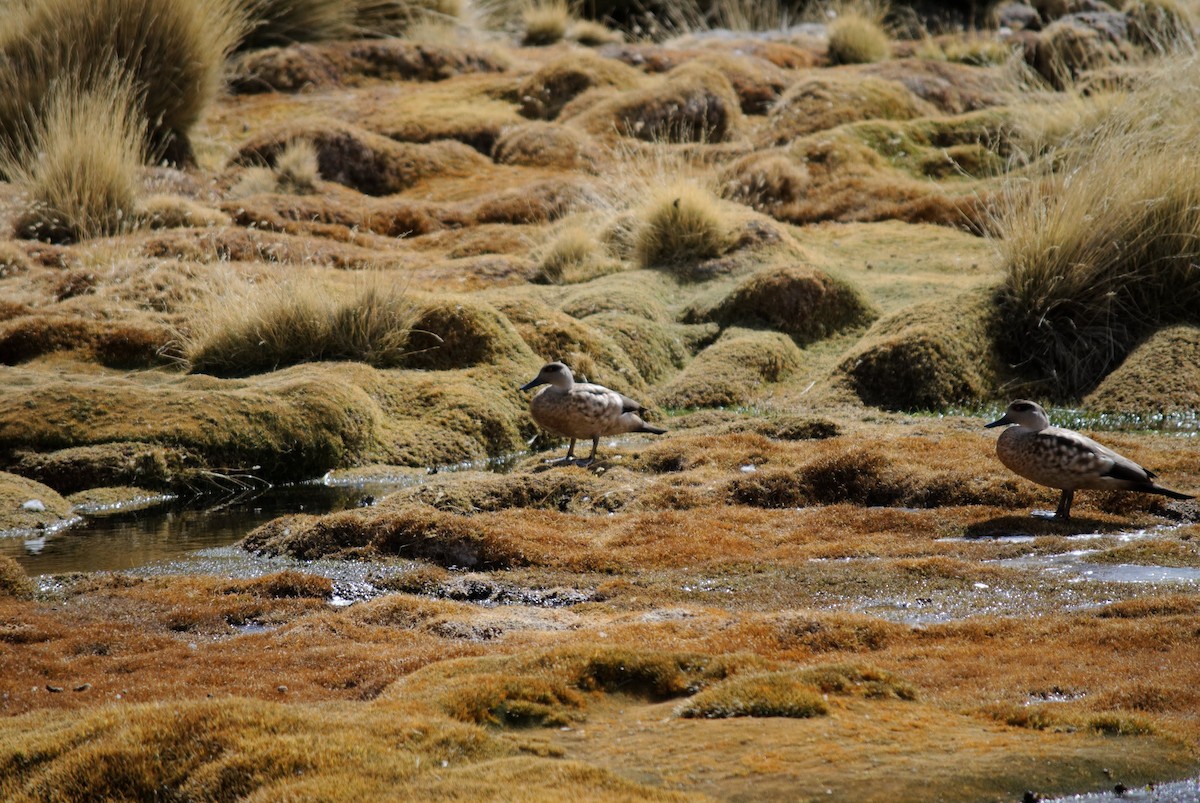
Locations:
column 1023, row 407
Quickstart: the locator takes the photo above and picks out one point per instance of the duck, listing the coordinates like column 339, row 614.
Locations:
column 1066, row 460
column 578, row 410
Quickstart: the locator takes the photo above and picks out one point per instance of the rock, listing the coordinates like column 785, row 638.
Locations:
column 34, row 506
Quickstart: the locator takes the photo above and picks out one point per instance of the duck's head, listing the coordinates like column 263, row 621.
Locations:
column 1026, row 414
column 555, row 374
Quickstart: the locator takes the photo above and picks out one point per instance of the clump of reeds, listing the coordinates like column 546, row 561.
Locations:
column 274, row 324
column 79, row 163
column 857, row 35
column 173, row 51
column 1106, row 250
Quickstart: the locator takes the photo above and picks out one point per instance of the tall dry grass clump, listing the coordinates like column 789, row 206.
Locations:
column 680, row 225
column 857, row 35
column 1108, row 249
column 247, row 330
column 80, row 164
column 281, row 22
column 1161, row 26
column 171, row 51
column 545, row 22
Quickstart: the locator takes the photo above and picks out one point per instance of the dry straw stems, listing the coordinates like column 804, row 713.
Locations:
column 1106, row 251
column 80, row 168
column 257, row 328
column 172, row 51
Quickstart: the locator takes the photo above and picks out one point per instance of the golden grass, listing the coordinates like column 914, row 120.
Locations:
column 173, row 52
column 679, row 226
column 281, row 22
column 857, row 36
column 772, row 694
column 1161, row 26
column 271, row 325
column 1101, row 254
column 544, row 22
column 574, row 255
column 80, row 167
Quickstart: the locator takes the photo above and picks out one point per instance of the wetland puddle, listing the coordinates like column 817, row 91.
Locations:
column 174, row 529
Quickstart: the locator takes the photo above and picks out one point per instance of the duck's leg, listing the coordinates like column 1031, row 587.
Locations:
column 570, row 458
column 1064, row 506
column 592, row 457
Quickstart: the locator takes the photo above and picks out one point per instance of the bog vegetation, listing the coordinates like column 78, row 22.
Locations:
column 262, row 241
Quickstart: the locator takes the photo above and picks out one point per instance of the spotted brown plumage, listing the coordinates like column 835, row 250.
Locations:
column 1064, row 459
column 582, row 410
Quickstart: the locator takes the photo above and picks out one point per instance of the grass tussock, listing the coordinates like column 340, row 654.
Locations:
column 282, row 22
column 857, row 36
column 574, row 255
column 544, row 22
column 680, row 226
column 173, row 52
column 80, row 169
column 1104, row 252
column 275, row 324
column 1161, row 26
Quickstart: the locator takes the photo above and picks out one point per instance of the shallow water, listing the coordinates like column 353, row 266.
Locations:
column 175, row 529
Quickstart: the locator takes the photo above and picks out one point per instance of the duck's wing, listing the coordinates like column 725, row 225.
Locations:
column 1082, row 455
column 608, row 396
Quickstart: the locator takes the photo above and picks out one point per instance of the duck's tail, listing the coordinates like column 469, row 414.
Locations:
column 651, row 429
column 1158, row 489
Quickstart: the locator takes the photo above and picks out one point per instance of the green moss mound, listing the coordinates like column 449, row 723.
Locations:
column 368, row 162
column 14, row 583
column 16, row 514
column 548, row 89
column 1162, row 375
column 732, row 371
column 771, row 694
column 929, row 357
column 834, row 98
column 802, row 302
column 692, row 103
column 291, row 424
column 541, row 144
column 554, row 335
column 453, row 332
column 142, row 465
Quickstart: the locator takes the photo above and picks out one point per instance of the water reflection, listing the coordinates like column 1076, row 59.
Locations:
column 177, row 529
